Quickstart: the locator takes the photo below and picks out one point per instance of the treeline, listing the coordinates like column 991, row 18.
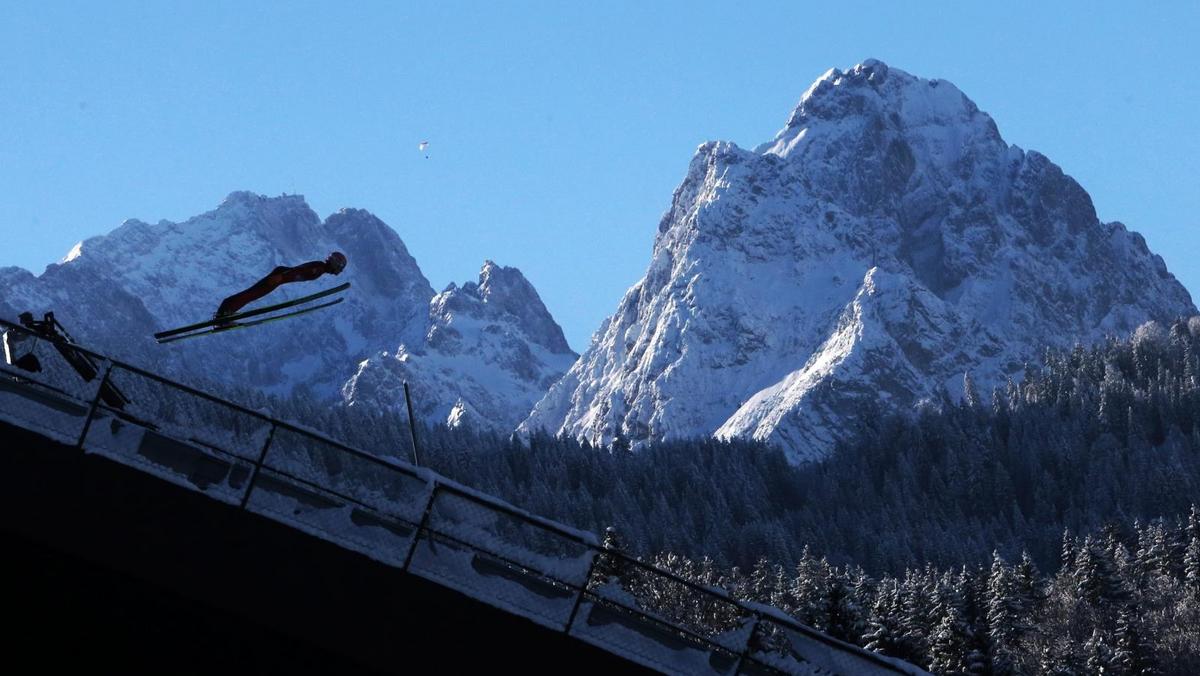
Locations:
column 1093, row 435
column 1124, row 601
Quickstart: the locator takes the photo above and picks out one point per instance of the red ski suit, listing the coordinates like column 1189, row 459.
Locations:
column 280, row 275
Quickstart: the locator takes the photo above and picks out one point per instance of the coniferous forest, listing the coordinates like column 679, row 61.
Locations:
column 1045, row 527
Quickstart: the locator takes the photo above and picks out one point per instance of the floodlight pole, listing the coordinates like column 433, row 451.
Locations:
column 412, row 425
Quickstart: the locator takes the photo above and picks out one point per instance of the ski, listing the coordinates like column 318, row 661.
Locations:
column 252, row 313
column 242, row 325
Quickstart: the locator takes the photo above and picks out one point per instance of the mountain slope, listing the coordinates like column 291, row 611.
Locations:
column 490, row 352
column 114, row 291
column 884, row 243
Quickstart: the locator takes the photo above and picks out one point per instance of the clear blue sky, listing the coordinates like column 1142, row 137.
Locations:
column 558, row 129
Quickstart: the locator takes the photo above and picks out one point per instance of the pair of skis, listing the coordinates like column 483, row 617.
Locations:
column 232, row 322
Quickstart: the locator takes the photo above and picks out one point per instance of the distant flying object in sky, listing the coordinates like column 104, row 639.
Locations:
column 422, row 146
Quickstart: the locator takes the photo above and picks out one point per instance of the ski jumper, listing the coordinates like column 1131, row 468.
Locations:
column 281, row 275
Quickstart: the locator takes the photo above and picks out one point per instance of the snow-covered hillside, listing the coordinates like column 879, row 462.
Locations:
column 491, row 350
column 114, row 291
column 884, row 243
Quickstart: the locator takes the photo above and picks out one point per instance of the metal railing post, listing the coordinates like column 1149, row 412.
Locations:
column 421, row 527
column 262, row 456
column 87, row 424
column 582, row 592
column 745, row 652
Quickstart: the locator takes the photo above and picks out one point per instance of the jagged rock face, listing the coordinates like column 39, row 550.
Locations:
column 116, row 290
column 883, row 244
column 491, row 350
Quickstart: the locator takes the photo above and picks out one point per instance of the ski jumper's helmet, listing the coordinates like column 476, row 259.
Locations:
column 336, row 261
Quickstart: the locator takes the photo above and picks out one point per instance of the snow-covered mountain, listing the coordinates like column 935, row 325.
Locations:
column 490, row 352
column 114, row 291
column 886, row 242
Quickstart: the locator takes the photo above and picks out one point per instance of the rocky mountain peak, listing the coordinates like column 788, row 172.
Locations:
column 505, row 290
column 759, row 316
column 372, row 246
column 490, row 351
column 501, row 295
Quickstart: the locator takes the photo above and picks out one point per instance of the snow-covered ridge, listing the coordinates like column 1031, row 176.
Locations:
column 490, row 351
column 115, row 290
column 885, row 242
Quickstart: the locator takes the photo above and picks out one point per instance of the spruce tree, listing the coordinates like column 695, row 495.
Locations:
column 1004, row 616
column 1131, row 655
column 1191, row 567
column 948, row 644
column 1153, row 554
column 883, row 633
column 1027, row 585
column 1191, row 557
column 915, row 604
column 842, row 614
column 810, row 589
column 1096, row 579
column 1067, row 550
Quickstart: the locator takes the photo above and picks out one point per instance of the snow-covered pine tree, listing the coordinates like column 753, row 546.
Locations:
column 970, row 398
column 1191, row 568
column 949, row 643
column 1191, row 557
column 1153, row 557
column 1131, row 655
column 1096, row 579
column 1027, row 585
column 843, row 616
column 883, row 633
column 810, row 589
column 916, row 592
column 1005, row 616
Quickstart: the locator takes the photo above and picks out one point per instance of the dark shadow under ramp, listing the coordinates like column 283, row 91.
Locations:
column 115, row 571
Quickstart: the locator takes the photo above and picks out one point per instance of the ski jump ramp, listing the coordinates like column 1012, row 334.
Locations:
column 286, row 544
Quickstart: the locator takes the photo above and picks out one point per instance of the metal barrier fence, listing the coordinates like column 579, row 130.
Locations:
column 419, row 522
